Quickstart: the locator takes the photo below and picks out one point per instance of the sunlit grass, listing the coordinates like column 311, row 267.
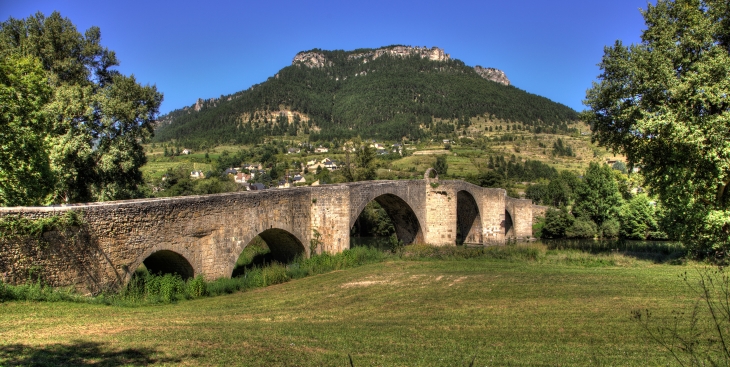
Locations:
column 423, row 306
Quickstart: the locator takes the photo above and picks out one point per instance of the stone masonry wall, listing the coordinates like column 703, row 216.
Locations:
column 211, row 231
column 521, row 212
column 330, row 217
column 440, row 215
column 493, row 215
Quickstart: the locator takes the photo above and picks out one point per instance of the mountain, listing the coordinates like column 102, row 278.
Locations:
column 391, row 93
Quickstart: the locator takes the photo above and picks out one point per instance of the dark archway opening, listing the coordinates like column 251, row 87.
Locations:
column 270, row 246
column 508, row 225
column 169, row 262
column 385, row 222
column 373, row 228
column 468, row 221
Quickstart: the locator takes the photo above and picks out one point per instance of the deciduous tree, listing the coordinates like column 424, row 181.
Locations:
column 98, row 117
column 664, row 103
column 441, row 166
column 598, row 197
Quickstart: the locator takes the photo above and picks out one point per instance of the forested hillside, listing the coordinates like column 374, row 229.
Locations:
column 337, row 95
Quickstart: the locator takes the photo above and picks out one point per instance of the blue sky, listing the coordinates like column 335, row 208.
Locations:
column 204, row 49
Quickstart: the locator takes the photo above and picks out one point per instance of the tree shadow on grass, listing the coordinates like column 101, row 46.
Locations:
column 78, row 353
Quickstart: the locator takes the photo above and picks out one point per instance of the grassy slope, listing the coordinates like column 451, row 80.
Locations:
column 462, row 160
column 572, row 311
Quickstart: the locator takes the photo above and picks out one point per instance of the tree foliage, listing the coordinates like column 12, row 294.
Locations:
column 362, row 167
column 97, row 117
column 664, row 103
column 637, row 218
column 597, row 197
column 558, row 192
column 25, row 170
column 557, row 222
column 441, row 167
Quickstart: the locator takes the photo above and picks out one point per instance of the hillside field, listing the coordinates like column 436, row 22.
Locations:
column 465, row 158
column 563, row 308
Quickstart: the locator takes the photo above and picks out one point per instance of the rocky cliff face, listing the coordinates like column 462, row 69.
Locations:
column 311, row 59
column 315, row 59
column 198, row 105
column 433, row 53
column 492, row 74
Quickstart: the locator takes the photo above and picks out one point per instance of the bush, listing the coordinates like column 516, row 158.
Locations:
column 637, row 218
column 537, row 227
column 5, row 292
column 582, row 228
column 556, row 223
column 196, row 287
column 610, row 228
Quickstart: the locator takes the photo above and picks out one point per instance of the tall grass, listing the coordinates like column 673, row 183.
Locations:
column 38, row 292
column 596, row 246
column 146, row 288
column 150, row 288
column 275, row 273
column 508, row 252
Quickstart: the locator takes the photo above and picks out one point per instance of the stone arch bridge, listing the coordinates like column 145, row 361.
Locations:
column 205, row 234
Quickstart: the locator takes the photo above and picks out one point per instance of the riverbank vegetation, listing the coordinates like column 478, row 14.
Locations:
column 604, row 203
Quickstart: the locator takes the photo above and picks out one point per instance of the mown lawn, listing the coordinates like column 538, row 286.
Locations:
column 566, row 309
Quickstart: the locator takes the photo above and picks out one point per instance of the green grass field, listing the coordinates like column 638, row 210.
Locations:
column 565, row 308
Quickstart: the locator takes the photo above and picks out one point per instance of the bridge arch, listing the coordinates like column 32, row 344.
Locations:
column 407, row 226
column 164, row 261
column 508, row 224
column 283, row 246
column 468, row 218
column 429, row 173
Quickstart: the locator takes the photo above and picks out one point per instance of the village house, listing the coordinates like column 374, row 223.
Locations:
column 196, row 175
column 252, row 167
column 298, row 179
column 330, row 165
column 186, row 151
column 255, row 186
column 243, row 178
column 293, row 151
column 321, row 149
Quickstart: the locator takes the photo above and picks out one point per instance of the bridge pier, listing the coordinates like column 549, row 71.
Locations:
column 204, row 235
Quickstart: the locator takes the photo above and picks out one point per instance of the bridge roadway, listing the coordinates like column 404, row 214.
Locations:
column 205, row 234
